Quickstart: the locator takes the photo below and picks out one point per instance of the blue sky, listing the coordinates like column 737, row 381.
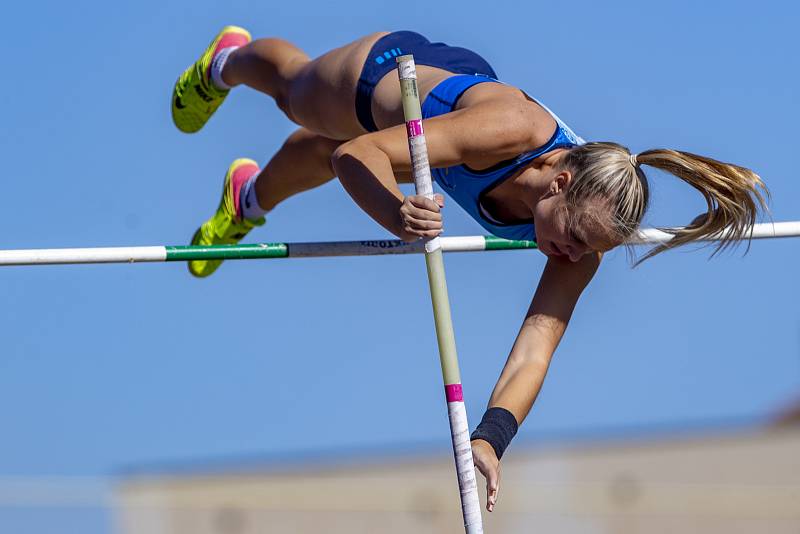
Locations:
column 103, row 367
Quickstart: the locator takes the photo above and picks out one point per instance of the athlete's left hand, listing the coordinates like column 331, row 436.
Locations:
column 421, row 217
column 486, row 461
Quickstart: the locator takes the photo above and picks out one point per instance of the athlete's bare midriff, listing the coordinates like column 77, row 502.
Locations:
column 387, row 109
column 324, row 92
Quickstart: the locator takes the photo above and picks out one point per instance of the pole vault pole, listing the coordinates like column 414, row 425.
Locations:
column 459, row 429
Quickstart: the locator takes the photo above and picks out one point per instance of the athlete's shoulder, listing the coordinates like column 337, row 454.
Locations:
column 518, row 119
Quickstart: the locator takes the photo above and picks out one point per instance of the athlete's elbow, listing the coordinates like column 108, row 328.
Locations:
column 347, row 155
column 339, row 156
column 347, row 163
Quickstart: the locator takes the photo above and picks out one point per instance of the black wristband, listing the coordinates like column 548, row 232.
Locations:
column 498, row 427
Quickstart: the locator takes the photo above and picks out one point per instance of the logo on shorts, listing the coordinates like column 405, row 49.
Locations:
column 389, row 54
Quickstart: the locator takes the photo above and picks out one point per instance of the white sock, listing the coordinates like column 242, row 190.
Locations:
column 217, row 64
column 251, row 209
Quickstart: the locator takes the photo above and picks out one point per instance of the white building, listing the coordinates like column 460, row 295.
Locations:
column 745, row 481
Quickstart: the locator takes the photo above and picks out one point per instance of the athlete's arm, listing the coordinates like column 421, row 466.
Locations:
column 521, row 379
column 479, row 136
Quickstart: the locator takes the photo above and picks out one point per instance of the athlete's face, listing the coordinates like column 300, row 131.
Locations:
column 566, row 233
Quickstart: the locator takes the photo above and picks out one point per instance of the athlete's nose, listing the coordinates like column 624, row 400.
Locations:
column 575, row 252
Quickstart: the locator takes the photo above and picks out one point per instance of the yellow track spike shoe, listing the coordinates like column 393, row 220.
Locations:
column 226, row 226
column 195, row 98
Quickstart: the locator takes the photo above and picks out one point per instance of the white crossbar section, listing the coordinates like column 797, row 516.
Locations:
column 652, row 236
column 82, row 255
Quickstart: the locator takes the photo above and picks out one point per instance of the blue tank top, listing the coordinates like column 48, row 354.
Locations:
column 466, row 185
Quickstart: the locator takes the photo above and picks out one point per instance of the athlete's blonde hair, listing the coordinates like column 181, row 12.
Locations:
column 606, row 171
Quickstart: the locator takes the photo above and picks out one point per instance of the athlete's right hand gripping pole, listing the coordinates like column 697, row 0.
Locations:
column 459, row 429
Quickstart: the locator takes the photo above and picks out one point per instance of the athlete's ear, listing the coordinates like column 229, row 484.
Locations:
column 560, row 182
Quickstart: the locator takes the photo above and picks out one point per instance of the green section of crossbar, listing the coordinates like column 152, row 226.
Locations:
column 498, row 243
column 347, row 248
column 228, row 252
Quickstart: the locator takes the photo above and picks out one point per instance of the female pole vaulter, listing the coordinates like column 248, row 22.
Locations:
column 504, row 157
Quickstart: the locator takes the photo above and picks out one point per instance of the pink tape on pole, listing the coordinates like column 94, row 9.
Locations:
column 414, row 127
column 454, row 393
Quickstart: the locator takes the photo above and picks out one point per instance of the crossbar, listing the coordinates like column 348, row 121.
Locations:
column 379, row 247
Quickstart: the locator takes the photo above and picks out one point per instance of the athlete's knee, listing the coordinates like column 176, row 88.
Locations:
column 282, row 62
column 278, row 51
column 314, row 146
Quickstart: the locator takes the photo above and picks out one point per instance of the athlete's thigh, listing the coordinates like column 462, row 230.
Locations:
column 322, row 95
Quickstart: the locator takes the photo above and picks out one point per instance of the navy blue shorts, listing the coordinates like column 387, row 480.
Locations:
column 381, row 60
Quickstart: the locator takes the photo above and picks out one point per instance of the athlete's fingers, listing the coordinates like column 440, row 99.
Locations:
column 420, row 217
column 420, row 201
column 486, row 461
column 409, row 211
column 421, row 232
column 419, row 214
column 422, row 224
column 439, row 199
column 492, row 487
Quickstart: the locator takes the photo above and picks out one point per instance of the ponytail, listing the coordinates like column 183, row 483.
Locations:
column 733, row 196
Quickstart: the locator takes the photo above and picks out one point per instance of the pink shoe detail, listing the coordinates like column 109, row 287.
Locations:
column 240, row 175
column 231, row 39
column 228, row 40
